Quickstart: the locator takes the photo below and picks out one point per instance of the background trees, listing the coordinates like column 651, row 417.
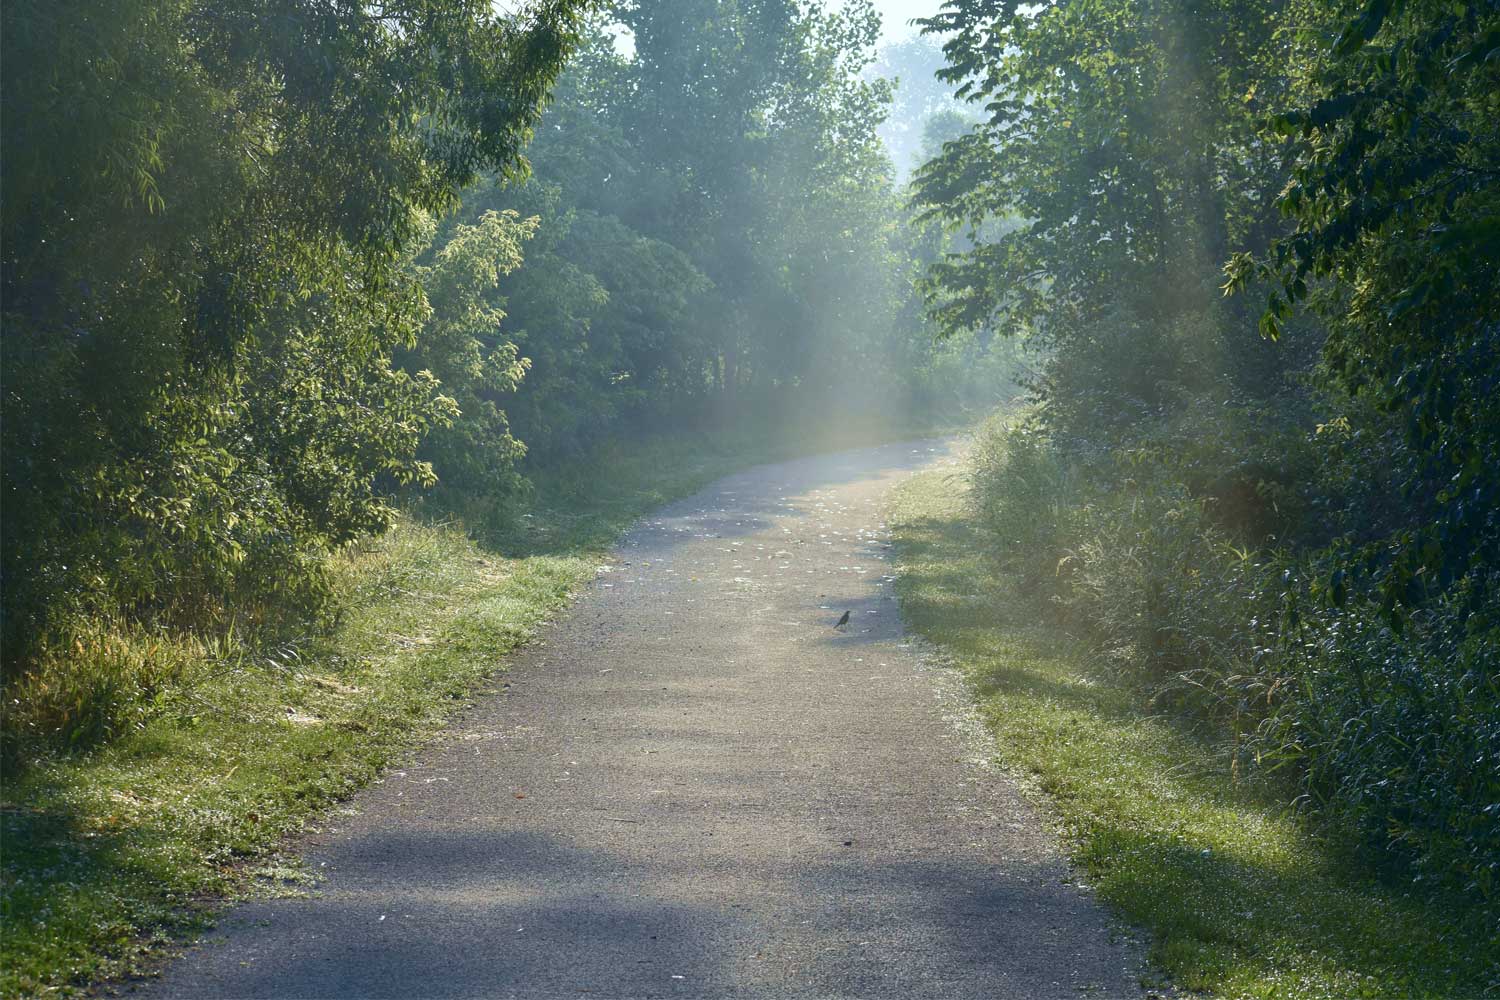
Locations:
column 718, row 228
column 921, row 97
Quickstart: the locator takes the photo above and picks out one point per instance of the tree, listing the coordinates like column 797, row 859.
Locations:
column 1121, row 154
column 477, row 364
column 207, row 208
column 602, row 313
column 919, row 98
column 1395, row 201
column 724, row 185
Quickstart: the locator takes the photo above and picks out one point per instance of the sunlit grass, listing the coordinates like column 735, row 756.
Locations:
column 1240, row 898
column 102, row 848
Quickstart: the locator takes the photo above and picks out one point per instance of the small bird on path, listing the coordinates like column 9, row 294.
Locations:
column 843, row 620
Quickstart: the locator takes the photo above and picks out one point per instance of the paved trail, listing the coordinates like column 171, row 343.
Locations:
column 695, row 787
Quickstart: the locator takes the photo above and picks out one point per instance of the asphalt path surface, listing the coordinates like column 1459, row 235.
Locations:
column 695, row 786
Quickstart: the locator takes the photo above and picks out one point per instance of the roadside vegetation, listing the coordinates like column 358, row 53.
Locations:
column 1226, row 582
column 1258, row 471
column 1241, row 894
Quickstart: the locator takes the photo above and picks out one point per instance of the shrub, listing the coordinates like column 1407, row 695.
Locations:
column 1024, row 496
column 88, row 685
column 1131, row 557
column 1391, row 726
column 1398, row 731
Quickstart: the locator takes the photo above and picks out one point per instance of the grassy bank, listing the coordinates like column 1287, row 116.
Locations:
column 1239, row 897
column 108, row 855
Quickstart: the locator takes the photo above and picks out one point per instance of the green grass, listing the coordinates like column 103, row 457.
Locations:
column 109, row 856
column 1240, row 897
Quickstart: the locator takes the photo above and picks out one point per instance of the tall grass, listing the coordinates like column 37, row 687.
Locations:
column 92, row 683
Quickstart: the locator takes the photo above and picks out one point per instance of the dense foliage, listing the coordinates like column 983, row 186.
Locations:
column 1286, row 519
column 206, row 212
column 716, row 232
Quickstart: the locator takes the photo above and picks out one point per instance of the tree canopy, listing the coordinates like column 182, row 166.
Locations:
column 206, row 212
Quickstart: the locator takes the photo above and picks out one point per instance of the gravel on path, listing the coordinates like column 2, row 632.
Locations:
column 695, row 786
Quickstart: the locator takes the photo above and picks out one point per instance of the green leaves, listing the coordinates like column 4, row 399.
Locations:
column 1340, row 163
column 1364, row 27
column 207, row 214
column 1395, row 200
column 463, row 349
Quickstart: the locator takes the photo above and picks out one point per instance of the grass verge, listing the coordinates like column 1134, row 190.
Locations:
column 1240, row 898
column 108, row 857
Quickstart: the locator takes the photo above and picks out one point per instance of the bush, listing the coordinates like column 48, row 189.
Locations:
column 1025, row 496
column 1398, row 731
column 1129, row 556
column 87, row 686
column 1392, row 727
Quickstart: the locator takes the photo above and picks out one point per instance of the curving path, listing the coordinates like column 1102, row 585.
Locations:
column 695, row 787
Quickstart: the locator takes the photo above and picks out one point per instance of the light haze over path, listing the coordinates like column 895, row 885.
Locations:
column 695, row 787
